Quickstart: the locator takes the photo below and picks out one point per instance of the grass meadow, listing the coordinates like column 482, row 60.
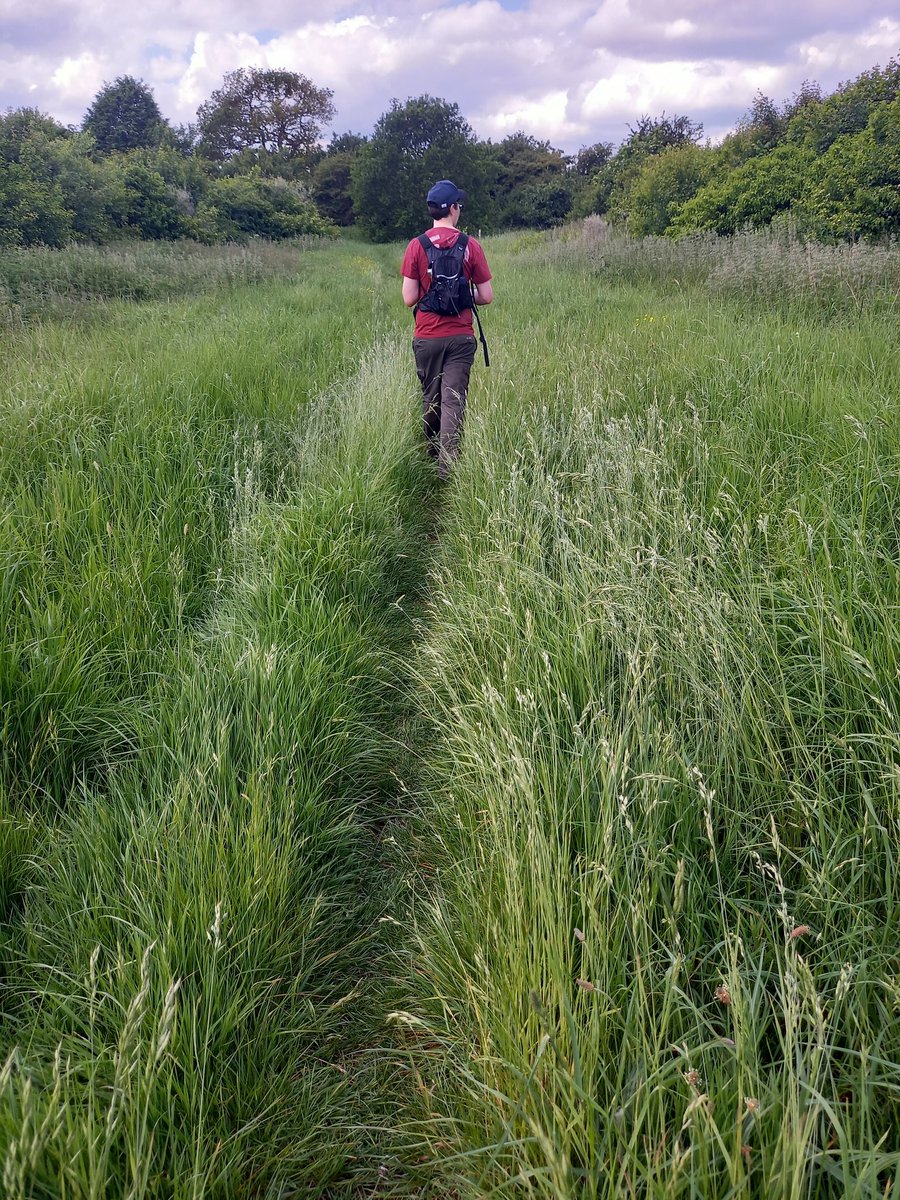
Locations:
column 530, row 835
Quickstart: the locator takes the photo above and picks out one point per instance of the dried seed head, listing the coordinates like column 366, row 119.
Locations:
column 585, row 985
column 798, row 931
column 578, row 934
column 751, row 1104
column 693, row 1077
column 723, row 995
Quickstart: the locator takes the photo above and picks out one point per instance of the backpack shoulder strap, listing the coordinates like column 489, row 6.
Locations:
column 461, row 242
column 426, row 243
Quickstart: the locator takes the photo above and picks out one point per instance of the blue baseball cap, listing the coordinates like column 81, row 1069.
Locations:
column 444, row 193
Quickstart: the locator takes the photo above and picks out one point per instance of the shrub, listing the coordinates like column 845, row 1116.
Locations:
column 856, row 192
column 32, row 210
column 237, row 208
column 750, row 195
column 665, row 182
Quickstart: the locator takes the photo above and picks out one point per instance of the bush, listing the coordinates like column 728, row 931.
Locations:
column 150, row 208
column 32, row 210
column 665, row 182
column 856, row 193
column 750, row 195
column 237, row 208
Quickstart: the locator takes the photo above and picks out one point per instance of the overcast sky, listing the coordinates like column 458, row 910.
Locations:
column 565, row 70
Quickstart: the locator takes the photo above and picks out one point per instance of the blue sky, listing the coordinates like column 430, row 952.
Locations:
column 571, row 71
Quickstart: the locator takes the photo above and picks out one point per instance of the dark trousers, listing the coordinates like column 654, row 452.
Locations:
column 443, row 366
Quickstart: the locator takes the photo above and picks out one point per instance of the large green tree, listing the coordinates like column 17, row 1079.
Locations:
column 751, row 195
column 663, row 184
column 855, row 188
column 270, row 117
column 528, row 182
column 609, row 186
column 413, row 145
column 124, row 116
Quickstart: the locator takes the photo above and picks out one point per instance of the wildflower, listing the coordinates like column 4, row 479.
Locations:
column 693, row 1077
column 798, row 931
column 723, row 995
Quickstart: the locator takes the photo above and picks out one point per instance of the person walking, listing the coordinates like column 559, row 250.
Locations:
column 444, row 272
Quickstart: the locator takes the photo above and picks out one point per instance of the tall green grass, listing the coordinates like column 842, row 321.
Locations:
column 772, row 265
column 77, row 282
column 657, row 921
column 198, row 700
column 592, row 890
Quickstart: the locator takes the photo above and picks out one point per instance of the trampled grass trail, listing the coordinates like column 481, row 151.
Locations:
column 553, row 857
column 212, row 513
column 656, row 948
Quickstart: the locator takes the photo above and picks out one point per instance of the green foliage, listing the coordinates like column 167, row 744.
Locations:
column 124, row 116
column 93, row 190
column 764, row 126
column 855, row 190
column 20, row 127
column 750, row 195
column 243, row 206
column 150, row 209
column 607, row 189
column 413, row 145
column 331, row 187
column 32, row 210
column 590, row 159
column 539, row 205
column 527, row 182
column 260, row 113
column 345, row 143
column 663, row 184
column 847, row 110
column 32, row 204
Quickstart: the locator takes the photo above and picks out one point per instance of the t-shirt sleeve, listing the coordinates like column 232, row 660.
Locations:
column 410, row 267
column 479, row 270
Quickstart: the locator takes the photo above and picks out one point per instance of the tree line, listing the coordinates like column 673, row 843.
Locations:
column 254, row 163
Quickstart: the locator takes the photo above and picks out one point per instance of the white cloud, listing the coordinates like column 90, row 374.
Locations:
column 546, row 117
column 570, row 71
column 680, row 28
column 632, row 88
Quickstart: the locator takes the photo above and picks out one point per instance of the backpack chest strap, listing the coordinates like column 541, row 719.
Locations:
column 430, row 248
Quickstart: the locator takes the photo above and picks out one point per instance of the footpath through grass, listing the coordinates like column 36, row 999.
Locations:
column 657, row 921
column 211, row 510
column 585, row 886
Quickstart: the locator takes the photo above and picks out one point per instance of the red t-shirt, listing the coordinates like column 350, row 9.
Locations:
column 415, row 266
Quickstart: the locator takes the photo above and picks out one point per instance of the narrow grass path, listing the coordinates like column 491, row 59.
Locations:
column 654, row 903
column 195, row 784
column 551, row 855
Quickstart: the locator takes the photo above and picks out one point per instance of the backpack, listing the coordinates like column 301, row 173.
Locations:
column 449, row 293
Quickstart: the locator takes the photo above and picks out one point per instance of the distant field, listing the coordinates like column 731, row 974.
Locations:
column 531, row 836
